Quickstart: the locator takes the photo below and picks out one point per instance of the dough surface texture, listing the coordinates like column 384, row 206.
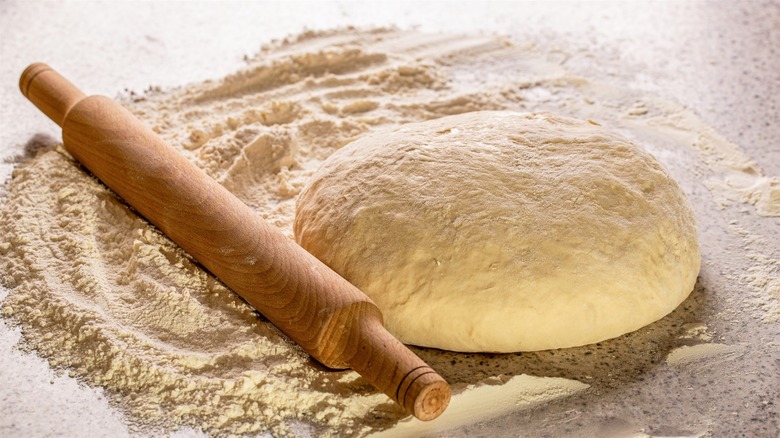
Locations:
column 501, row 231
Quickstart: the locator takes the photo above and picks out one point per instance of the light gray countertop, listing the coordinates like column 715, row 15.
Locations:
column 719, row 59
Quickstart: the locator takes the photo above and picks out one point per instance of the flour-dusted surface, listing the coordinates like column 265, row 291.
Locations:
column 498, row 231
column 280, row 126
column 101, row 293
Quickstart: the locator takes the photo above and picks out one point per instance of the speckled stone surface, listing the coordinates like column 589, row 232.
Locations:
column 719, row 59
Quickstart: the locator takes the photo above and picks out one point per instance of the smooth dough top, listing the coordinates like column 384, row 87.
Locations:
column 501, row 231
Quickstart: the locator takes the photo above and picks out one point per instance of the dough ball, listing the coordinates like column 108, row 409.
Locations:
column 500, row 231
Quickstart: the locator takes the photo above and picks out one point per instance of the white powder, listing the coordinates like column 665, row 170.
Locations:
column 98, row 291
column 695, row 331
column 102, row 295
column 762, row 276
column 703, row 356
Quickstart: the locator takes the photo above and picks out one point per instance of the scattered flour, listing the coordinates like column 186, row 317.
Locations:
column 695, row 330
column 498, row 396
column 702, row 356
column 103, row 296
column 620, row 428
column 738, row 178
column 763, row 275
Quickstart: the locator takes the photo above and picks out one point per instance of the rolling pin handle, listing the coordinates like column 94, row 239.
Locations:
column 49, row 91
column 399, row 373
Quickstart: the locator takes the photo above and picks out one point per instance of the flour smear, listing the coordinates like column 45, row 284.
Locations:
column 103, row 296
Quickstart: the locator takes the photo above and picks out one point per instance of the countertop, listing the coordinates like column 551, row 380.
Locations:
column 719, row 59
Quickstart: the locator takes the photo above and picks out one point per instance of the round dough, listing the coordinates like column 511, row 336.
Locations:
column 500, row 231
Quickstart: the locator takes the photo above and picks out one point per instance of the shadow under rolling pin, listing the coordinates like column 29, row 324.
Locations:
column 326, row 315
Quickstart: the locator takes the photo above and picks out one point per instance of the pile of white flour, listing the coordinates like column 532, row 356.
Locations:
column 103, row 295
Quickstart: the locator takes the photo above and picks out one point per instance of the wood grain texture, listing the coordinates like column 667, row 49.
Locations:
column 326, row 315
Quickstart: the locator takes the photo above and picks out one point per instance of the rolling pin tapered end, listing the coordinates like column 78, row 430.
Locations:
column 432, row 399
column 49, row 91
column 397, row 371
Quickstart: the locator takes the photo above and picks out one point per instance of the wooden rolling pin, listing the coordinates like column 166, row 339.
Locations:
column 326, row 315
